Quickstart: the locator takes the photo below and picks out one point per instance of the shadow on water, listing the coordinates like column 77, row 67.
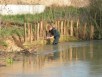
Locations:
column 84, row 59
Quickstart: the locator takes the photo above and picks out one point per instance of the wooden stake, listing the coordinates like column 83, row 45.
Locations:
column 91, row 32
column 25, row 35
column 31, row 33
column 71, row 28
column 68, row 28
column 84, row 31
column 77, row 33
column 35, row 32
column 41, row 28
column 38, row 31
column 65, row 26
column 56, row 24
column 62, row 27
column 28, row 32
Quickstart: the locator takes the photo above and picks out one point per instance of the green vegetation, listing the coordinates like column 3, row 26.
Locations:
column 3, row 43
column 91, row 16
column 96, row 10
column 85, row 14
column 9, row 60
column 51, row 13
column 9, row 31
column 96, row 15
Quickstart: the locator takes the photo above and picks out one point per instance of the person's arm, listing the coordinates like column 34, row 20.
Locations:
column 50, row 37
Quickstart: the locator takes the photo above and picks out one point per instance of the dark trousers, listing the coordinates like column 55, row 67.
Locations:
column 56, row 40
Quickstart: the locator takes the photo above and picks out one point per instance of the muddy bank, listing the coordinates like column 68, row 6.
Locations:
column 15, row 44
column 10, row 57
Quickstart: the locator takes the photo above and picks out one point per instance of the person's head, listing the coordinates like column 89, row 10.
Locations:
column 50, row 27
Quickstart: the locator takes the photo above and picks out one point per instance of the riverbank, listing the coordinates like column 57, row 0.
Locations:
column 14, row 44
column 30, row 36
column 19, row 32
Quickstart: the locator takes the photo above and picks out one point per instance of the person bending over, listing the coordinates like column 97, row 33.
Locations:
column 54, row 33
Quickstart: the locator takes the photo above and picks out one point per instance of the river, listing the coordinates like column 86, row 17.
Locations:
column 69, row 59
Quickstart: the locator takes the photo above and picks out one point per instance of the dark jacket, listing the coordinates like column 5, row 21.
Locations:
column 54, row 32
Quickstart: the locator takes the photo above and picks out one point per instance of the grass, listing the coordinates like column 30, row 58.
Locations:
column 3, row 43
column 9, row 31
column 51, row 13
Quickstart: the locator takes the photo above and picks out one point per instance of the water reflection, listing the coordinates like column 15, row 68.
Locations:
column 82, row 59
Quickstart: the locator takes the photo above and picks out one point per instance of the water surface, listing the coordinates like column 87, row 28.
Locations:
column 71, row 59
